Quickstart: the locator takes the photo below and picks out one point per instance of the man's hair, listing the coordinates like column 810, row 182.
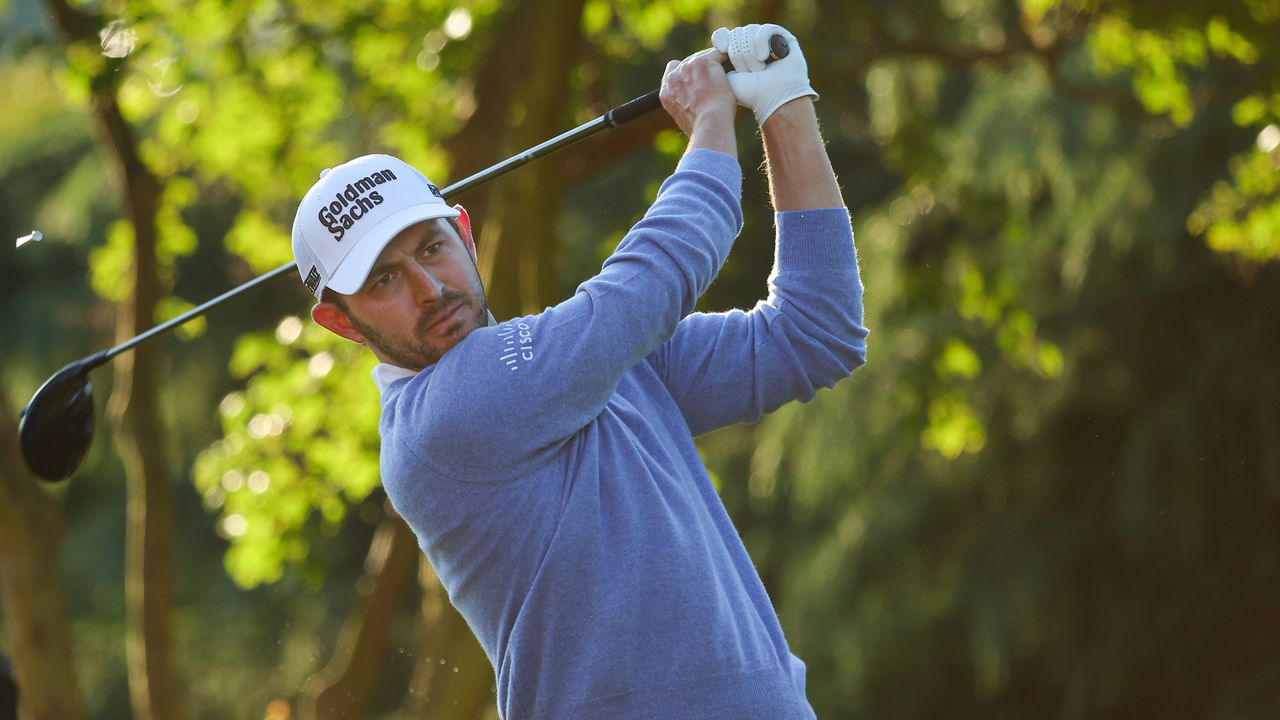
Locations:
column 329, row 296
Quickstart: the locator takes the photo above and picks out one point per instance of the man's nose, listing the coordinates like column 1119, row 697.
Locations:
column 426, row 287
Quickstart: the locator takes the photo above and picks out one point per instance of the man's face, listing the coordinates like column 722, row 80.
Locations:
column 421, row 298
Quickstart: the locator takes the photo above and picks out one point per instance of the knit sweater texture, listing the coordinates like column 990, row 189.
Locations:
column 547, row 465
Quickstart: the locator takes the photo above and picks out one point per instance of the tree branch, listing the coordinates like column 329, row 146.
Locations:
column 1048, row 53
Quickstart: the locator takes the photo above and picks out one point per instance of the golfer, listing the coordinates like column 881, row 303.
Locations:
column 546, row 463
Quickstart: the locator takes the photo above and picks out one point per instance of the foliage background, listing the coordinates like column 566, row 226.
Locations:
column 1053, row 492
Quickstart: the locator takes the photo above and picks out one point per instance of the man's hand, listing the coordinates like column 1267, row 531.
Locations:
column 696, row 93
column 763, row 88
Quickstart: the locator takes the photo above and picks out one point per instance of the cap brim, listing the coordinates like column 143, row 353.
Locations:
column 350, row 274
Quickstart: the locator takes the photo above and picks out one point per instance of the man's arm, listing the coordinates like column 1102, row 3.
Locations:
column 800, row 174
column 726, row 368
column 723, row 368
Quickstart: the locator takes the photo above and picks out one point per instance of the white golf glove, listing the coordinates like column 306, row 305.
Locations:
column 763, row 88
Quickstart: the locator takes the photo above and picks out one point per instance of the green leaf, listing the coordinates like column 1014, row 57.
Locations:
column 1049, row 359
column 111, row 266
column 596, row 15
column 958, row 360
column 1249, row 111
column 954, row 428
column 261, row 242
column 1035, row 10
column 1225, row 42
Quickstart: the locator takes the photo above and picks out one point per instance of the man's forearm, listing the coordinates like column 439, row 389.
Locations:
column 800, row 174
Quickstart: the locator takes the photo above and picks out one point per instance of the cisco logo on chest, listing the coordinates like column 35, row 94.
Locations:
column 354, row 202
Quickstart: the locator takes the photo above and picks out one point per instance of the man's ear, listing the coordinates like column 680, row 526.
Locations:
column 336, row 321
column 464, row 228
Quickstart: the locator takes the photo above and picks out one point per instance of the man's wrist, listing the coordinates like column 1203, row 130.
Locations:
column 713, row 129
column 795, row 112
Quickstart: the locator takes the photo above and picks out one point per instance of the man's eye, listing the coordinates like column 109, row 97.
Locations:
column 433, row 248
column 383, row 281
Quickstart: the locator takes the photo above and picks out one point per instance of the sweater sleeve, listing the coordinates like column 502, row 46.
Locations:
column 503, row 400
column 726, row 368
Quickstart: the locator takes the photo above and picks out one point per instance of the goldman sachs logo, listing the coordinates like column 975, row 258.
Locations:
column 353, row 203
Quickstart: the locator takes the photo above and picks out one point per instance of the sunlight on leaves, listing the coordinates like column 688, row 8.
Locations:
column 280, row 436
column 261, row 242
column 958, row 360
column 954, row 428
column 110, row 265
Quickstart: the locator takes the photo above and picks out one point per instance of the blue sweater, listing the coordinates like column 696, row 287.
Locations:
column 548, row 468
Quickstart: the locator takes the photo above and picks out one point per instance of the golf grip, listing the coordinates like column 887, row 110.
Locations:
column 632, row 109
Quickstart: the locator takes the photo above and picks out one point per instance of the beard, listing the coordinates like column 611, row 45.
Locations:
column 418, row 351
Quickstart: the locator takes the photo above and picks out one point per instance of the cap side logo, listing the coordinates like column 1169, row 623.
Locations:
column 313, row 280
column 435, row 190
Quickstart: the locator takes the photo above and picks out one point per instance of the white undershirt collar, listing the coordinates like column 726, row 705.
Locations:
column 385, row 373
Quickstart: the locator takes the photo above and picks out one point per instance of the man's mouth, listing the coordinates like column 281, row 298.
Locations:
column 445, row 318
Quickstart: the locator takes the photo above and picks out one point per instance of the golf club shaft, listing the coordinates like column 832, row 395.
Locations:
column 195, row 312
column 623, row 113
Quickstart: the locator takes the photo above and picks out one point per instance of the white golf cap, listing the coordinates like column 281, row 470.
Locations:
column 352, row 212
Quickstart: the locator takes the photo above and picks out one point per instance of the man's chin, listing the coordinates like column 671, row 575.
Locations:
column 435, row 341
column 441, row 340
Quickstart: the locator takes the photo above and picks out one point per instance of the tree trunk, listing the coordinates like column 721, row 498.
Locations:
column 452, row 678
column 36, row 623
column 479, row 143
column 770, row 11
column 134, row 410
column 343, row 688
column 154, row 687
column 519, row 248
column 141, row 441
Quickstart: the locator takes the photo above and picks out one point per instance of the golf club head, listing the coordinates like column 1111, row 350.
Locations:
column 57, row 425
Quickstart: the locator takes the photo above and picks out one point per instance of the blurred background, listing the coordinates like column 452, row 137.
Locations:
column 1053, row 492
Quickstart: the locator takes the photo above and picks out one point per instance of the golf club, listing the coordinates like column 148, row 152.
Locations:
column 56, row 427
